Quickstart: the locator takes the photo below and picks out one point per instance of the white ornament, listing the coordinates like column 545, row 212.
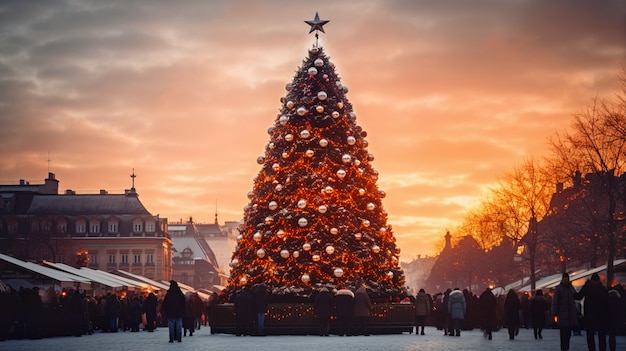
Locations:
column 260, row 160
column 284, row 253
column 340, row 105
column 357, row 163
column 243, row 280
column 305, row 134
column 376, row 249
column 272, row 205
column 345, row 89
column 318, row 62
column 312, row 71
column 352, row 115
column 250, row 195
column 351, row 140
column 271, row 146
column 283, row 119
column 382, row 230
column 289, row 137
column 280, row 233
column 275, row 166
column 257, row 236
column 341, row 173
column 328, row 190
column 269, row 220
column 361, row 191
column 323, row 142
column 338, row 272
column 335, row 114
column 239, row 237
column 390, row 274
column 334, row 231
column 260, row 253
column 301, row 111
column 322, row 95
column 358, row 236
column 322, row 209
column 301, row 203
column 234, row 262
column 346, row 158
column 330, row 249
column 290, row 104
column 365, row 223
column 303, row 222
column 295, row 254
column 319, row 108
column 370, row 157
column 371, row 206
column 285, row 154
column 278, row 187
column 315, row 257
column 288, row 86
column 306, row 247
column 305, row 278
column 309, row 153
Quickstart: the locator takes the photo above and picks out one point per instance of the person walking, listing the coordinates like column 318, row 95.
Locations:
column 595, row 311
column 344, row 302
column 362, row 306
column 538, row 308
column 457, row 308
column 423, row 307
column 150, row 308
column 189, row 318
column 564, row 310
column 260, row 300
column 323, row 306
column 173, row 307
column 244, row 312
column 512, row 307
column 613, row 317
column 488, row 305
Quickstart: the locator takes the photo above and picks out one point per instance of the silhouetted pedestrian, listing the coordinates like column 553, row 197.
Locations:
column 362, row 306
column 344, row 300
column 323, row 306
column 538, row 310
column 595, row 311
column 564, row 310
column 173, row 307
column 423, row 307
column 457, row 308
column 244, row 312
column 512, row 307
column 260, row 299
column 488, row 305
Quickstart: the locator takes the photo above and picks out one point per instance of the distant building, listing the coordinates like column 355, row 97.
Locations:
column 101, row 231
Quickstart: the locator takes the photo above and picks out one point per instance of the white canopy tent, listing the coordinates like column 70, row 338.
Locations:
column 64, row 279
column 114, row 285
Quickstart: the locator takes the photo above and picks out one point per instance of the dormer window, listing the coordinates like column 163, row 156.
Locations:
column 137, row 226
column 94, row 226
column 81, row 226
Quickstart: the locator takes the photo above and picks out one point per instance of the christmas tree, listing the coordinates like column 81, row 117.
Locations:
column 315, row 215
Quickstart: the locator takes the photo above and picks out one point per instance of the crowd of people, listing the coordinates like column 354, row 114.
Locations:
column 31, row 313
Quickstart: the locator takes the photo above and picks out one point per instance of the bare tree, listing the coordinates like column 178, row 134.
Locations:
column 596, row 144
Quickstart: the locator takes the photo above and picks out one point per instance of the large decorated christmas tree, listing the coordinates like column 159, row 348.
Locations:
column 315, row 216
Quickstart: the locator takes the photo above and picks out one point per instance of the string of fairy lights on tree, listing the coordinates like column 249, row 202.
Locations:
column 315, row 215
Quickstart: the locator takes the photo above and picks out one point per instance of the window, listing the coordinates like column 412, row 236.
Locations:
column 149, row 258
column 137, row 259
column 93, row 259
column 137, row 227
column 62, row 227
column 124, row 258
column 80, row 226
column 46, row 226
column 112, row 227
column 150, row 227
column 94, row 227
column 112, row 258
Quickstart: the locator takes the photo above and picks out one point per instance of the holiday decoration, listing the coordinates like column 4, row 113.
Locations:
column 315, row 215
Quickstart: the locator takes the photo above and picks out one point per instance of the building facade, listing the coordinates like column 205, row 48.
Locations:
column 101, row 231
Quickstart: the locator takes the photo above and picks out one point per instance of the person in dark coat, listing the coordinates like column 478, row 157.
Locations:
column 150, row 307
column 613, row 317
column 457, row 308
column 173, row 307
column 112, row 307
column 361, row 308
column 134, row 314
column 344, row 301
column 488, row 304
column 244, row 312
column 512, row 307
column 595, row 310
column 75, row 313
column 189, row 318
column 564, row 310
column 260, row 299
column 538, row 308
column 423, row 307
column 323, row 306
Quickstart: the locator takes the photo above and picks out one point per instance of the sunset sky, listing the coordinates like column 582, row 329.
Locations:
column 452, row 94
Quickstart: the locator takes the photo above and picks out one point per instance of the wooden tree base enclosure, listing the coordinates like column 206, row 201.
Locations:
column 299, row 319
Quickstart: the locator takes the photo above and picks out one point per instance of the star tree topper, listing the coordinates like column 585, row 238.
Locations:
column 316, row 24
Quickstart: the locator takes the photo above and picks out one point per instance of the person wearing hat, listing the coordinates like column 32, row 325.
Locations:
column 538, row 310
column 564, row 310
column 595, row 310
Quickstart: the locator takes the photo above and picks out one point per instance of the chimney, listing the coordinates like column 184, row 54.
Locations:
column 559, row 187
column 70, row 192
column 103, row 192
column 51, row 185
